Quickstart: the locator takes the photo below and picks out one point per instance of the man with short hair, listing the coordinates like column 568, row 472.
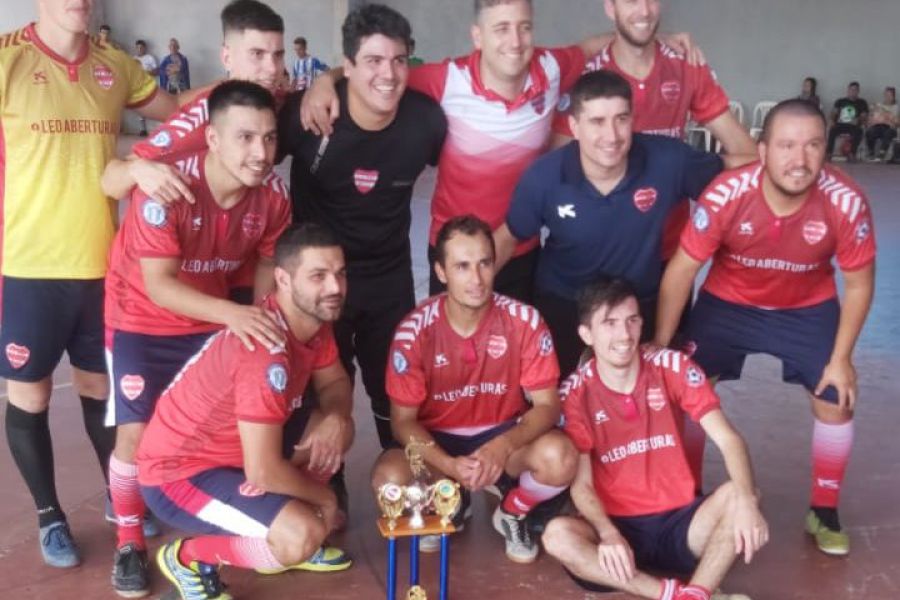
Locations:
column 104, row 33
column 461, row 366
column 149, row 64
column 306, row 67
column 167, row 287
column 359, row 182
column 174, row 70
column 61, row 100
column 210, row 462
column 848, row 118
column 605, row 199
column 633, row 490
column 666, row 88
column 772, row 229
column 882, row 125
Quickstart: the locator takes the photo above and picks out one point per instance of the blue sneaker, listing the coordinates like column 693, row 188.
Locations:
column 192, row 582
column 151, row 523
column 58, row 547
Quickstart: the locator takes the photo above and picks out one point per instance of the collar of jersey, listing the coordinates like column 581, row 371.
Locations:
column 535, row 85
column 573, row 174
column 32, row 36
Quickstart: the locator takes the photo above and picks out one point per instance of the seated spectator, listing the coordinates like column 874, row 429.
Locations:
column 848, row 117
column 883, row 124
column 809, row 93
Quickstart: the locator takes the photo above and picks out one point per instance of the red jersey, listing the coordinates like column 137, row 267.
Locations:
column 185, row 131
column 469, row 384
column 491, row 141
column 766, row 261
column 637, row 456
column 211, row 242
column 661, row 104
column 195, row 425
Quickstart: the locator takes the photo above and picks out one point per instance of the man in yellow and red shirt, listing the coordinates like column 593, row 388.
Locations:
column 61, row 97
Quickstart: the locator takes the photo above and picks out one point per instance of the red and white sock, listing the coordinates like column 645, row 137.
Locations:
column 528, row 494
column 243, row 552
column 830, row 454
column 692, row 592
column 127, row 503
column 670, row 587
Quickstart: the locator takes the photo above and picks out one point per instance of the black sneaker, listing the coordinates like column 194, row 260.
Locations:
column 130, row 575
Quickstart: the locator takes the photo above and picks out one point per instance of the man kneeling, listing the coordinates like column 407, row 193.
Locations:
column 633, row 488
column 459, row 364
column 211, row 462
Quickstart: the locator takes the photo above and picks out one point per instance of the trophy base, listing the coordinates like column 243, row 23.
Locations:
column 432, row 527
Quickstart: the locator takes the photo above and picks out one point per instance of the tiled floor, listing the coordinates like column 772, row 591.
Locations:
column 773, row 417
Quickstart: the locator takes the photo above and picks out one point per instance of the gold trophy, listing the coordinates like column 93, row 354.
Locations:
column 446, row 500
column 392, row 501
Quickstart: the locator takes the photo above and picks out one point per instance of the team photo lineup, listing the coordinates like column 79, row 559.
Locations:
column 592, row 277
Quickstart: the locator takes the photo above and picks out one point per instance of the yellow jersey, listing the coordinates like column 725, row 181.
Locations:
column 58, row 126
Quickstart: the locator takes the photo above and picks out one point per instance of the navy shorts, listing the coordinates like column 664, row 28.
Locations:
column 463, row 445
column 42, row 318
column 659, row 542
column 802, row 338
column 214, row 502
column 141, row 367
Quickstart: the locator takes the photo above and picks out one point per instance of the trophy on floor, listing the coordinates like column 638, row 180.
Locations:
column 415, row 510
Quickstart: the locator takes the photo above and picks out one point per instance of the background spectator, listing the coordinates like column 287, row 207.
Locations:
column 306, row 68
column 174, row 73
column 883, row 123
column 848, row 117
column 809, row 91
column 148, row 62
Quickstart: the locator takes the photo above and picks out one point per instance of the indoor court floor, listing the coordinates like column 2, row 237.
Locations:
column 773, row 417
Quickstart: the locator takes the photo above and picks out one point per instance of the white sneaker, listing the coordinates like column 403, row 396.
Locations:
column 520, row 547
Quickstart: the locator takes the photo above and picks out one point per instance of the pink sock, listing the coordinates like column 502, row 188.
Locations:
column 528, row 494
column 128, row 505
column 694, row 440
column 243, row 552
column 830, row 455
column 692, row 592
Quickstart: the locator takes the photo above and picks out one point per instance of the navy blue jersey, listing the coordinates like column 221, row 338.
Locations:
column 619, row 234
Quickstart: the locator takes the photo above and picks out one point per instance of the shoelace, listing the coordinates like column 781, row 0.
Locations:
column 58, row 538
column 520, row 533
column 209, row 578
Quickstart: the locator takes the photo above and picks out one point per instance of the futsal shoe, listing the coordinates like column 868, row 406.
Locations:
column 432, row 543
column 196, row 581
column 824, row 526
column 58, row 547
column 326, row 559
column 130, row 578
column 520, row 547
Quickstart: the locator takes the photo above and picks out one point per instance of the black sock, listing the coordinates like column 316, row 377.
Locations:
column 28, row 435
column 103, row 438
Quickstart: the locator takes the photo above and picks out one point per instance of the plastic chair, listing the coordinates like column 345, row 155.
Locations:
column 759, row 116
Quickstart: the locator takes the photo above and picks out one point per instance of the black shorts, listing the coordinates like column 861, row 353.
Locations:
column 659, row 542
column 42, row 318
column 802, row 338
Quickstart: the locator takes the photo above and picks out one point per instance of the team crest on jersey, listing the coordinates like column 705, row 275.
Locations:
column 277, row 376
column 565, row 101
column 656, row 400
column 17, row 355
column 252, row 225
column 670, row 91
column 250, row 491
column 546, row 344
column 497, row 346
column 440, row 360
column 644, row 199
column 863, row 230
column 401, row 365
column 365, row 180
column 104, row 77
column 701, row 219
column 163, row 139
column 814, row 232
column 694, row 376
column 154, row 213
column 131, row 386
column 539, row 104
